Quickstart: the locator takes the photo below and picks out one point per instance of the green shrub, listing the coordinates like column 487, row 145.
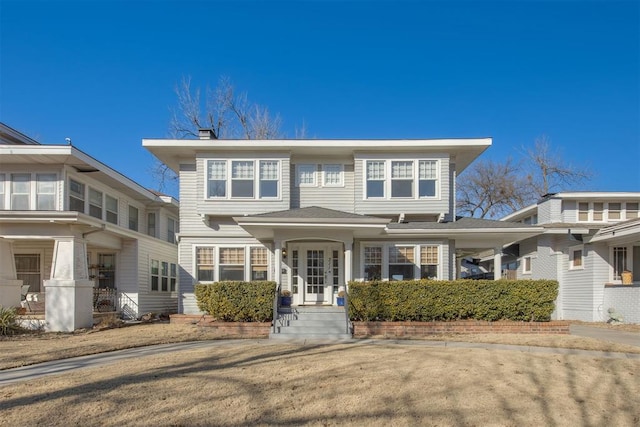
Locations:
column 8, row 325
column 237, row 301
column 439, row 300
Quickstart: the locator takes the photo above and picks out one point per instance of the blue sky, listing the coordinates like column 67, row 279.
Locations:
column 102, row 72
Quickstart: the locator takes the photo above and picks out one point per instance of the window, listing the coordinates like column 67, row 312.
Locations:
column 95, row 203
column 204, row 264
column 375, row 178
column 165, row 276
column 619, row 262
column 428, row 178
column 402, row 179
column 269, row 175
column 306, row 175
column 428, row 262
column 614, row 210
column 294, row 271
column 133, row 218
column 526, row 265
column 231, row 265
column 598, row 211
column 583, row 211
column 155, row 275
column 631, row 210
column 401, row 263
column 76, row 196
column 242, row 178
column 173, row 278
column 217, row 178
column 332, row 175
column 171, row 230
column 45, row 191
column 151, row 224
column 372, row 263
column 28, row 270
column 576, row 259
column 259, row 263
column 112, row 209
column 20, row 191
column 2, row 192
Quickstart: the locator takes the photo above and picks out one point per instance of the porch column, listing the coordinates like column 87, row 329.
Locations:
column 10, row 286
column 69, row 292
column 458, row 274
column 497, row 263
column 277, row 274
column 348, row 262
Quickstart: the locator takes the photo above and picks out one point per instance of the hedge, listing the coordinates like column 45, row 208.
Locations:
column 430, row 300
column 237, row 301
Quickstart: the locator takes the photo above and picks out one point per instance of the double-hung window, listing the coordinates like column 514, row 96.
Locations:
column 205, row 263
column 155, row 275
column 133, row 218
column 217, row 178
column 375, row 178
column 614, row 210
column 46, row 191
column 95, row 203
column 269, row 176
column 231, row 264
column 575, row 258
column 111, row 204
column 583, row 211
column 401, row 263
column 631, row 210
column 76, row 196
column 598, row 211
column 242, row 178
column 402, row 179
column 171, row 230
column 174, row 277
column 165, row 276
column 429, row 262
column 372, row 263
column 20, row 191
column 2, row 190
column 428, row 178
column 259, row 263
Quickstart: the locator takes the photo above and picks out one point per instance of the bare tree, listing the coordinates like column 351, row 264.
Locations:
column 490, row 190
column 228, row 115
column 548, row 171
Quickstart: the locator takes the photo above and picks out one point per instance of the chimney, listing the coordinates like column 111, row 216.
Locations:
column 206, row 134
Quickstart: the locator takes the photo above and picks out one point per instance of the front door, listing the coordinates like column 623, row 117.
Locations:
column 317, row 272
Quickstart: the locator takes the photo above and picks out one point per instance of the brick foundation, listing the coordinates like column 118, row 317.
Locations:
column 224, row 329
column 421, row 329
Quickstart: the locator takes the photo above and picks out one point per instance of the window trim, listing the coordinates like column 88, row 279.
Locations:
column 388, row 179
column 314, row 169
column 137, row 228
column 228, row 181
column 340, row 170
column 527, row 264
column 216, row 260
column 572, row 257
column 417, row 263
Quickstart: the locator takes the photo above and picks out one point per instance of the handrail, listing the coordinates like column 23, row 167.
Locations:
column 346, row 310
column 275, row 307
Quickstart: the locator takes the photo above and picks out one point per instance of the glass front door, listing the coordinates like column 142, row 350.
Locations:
column 316, row 272
column 315, row 277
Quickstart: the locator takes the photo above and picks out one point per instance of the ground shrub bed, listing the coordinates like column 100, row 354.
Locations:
column 237, row 301
column 430, row 300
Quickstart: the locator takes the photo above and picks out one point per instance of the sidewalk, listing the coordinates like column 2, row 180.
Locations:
column 604, row 334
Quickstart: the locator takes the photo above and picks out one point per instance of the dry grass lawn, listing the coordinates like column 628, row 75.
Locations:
column 372, row 384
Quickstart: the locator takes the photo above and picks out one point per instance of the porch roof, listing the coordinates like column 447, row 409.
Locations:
column 619, row 233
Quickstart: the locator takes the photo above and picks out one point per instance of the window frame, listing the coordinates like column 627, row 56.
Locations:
column 198, row 266
column 416, row 248
column 75, row 195
column 220, row 265
column 21, row 194
column 313, row 168
column 3, row 191
column 226, row 185
column 617, row 270
column 573, row 265
column 93, row 205
column 109, row 213
column 171, row 230
column 338, row 168
column 253, row 249
column 527, row 264
column 262, row 180
column 388, row 179
column 154, row 274
column 242, row 179
column 137, row 216
column 40, row 193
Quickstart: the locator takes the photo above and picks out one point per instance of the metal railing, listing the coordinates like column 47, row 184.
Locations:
column 276, row 301
column 104, row 299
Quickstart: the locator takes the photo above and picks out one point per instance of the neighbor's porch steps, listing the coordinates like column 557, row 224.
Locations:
column 310, row 322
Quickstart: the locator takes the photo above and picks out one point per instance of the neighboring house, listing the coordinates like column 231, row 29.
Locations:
column 314, row 214
column 73, row 226
column 590, row 239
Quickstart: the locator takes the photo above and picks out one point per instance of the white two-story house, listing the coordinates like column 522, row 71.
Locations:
column 591, row 245
column 313, row 215
column 65, row 216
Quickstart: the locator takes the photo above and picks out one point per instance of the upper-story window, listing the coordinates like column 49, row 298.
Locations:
column 333, row 175
column 2, row 191
column 171, row 230
column 111, row 204
column 606, row 211
column 407, row 179
column 151, row 224
column 95, row 203
column 133, row 218
column 240, row 179
column 306, row 175
column 46, row 191
column 76, row 196
column 20, row 191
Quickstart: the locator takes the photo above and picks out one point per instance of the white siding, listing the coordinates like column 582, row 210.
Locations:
column 155, row 301
column 338, row 198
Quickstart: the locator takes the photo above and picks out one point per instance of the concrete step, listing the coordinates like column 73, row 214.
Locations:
column 311, row 322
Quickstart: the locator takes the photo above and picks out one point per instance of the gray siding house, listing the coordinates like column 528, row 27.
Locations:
column 313, row 215
column 591, row 245
column 78, row 236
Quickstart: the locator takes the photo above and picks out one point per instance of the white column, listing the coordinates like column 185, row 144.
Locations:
column 348, row 262
column 69, row 292
column 10, row 286
column 458, row 273
column 277, row 273
column 497, row 263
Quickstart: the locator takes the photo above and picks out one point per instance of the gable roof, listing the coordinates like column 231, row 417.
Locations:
column 311, row 214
